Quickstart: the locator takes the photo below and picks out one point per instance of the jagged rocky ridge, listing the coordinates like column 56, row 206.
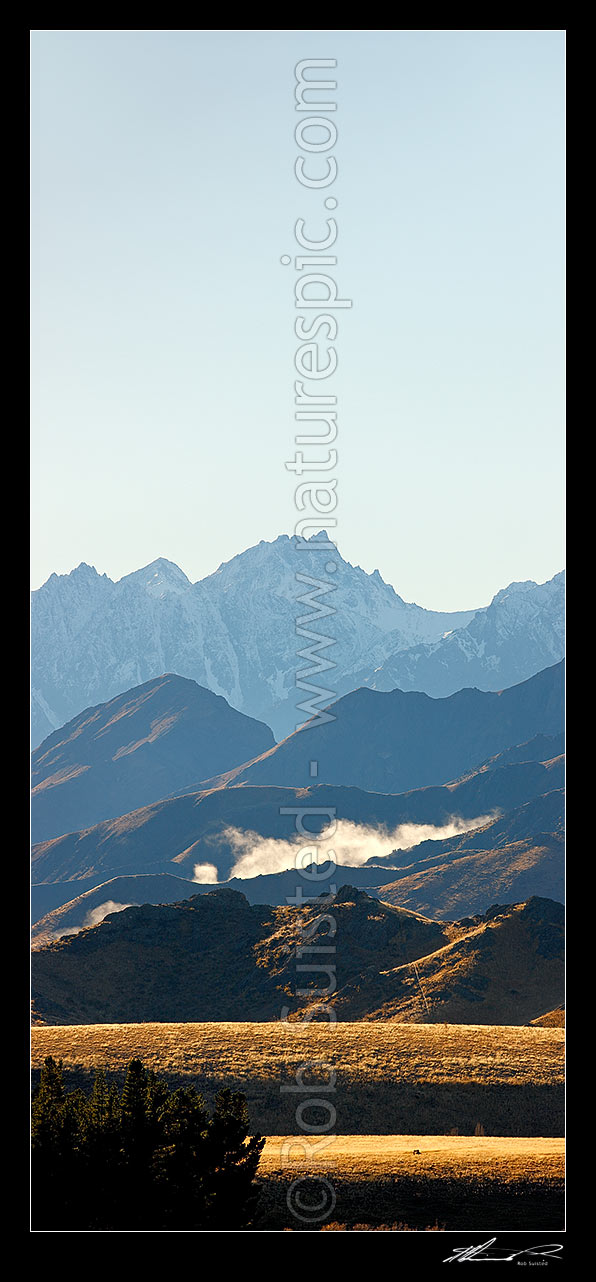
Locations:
column 234, row 632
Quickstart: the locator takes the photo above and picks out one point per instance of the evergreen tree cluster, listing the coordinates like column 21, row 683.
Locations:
column 144, row 1158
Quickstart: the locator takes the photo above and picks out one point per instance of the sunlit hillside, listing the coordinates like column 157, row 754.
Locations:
column 390, row 1078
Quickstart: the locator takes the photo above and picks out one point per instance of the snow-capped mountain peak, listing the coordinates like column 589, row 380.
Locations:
column 529, row 586
column 518, row 634
column 158, row 578
column 238, row 633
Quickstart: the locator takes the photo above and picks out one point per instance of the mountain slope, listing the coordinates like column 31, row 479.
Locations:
column 394, row 741
column 200, row 828
column 139, row 747
column 92, row 904
column 215, row 957
column 543, row 813
column 233, row 632
column 521, row 632
column 462, row 884
column 513, row 857
column 500, row 971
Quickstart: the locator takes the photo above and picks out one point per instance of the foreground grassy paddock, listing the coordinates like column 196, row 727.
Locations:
column 390, row 1078
column 414, row 1182
column 384, row 1156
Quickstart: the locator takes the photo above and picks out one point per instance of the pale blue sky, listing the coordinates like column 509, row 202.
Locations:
column 163, row 197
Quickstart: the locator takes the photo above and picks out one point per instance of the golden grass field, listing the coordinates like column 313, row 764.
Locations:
column 398, row 1087
column 415, row 1182
column 373, row 1157
column 390, row 1078
column 360, row 1052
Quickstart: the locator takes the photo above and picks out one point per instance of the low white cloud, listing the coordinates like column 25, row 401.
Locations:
column 205, row 874
column 351, row 845
column 95, row 915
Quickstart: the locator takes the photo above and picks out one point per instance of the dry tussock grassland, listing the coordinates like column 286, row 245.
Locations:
column 374, row 1157
column 391, row 1079
column 453, row 1054
column 398, row 1087
column 415, row 1183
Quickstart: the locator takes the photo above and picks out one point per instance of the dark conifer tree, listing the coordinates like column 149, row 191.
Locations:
column 148, row 1158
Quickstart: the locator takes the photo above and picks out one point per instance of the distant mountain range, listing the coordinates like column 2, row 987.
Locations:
column 511, row 857
column 395, row 741
column 158, row 740
column 90, row 906
column 138, row 748
column 541, row 811
column 178, row 833
column 234, row 633
column 215, row 957
column 424, row 749
column 520, row 632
